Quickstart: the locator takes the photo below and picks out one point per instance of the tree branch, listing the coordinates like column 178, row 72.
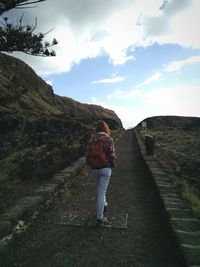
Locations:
column 21, row 38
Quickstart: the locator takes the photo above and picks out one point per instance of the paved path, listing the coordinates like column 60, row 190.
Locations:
column 147, row 240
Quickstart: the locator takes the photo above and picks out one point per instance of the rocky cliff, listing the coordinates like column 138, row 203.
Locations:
column 40, row 132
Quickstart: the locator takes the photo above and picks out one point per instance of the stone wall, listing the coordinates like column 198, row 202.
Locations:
column 20, row 216
column 185, row 225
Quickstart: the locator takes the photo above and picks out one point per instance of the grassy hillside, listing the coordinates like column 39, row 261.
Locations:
column 177, row 147
column 41, row 132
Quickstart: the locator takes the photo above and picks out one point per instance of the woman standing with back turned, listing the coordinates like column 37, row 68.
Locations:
column 101, row 158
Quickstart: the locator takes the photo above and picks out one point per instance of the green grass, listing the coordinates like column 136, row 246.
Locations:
column 35, row 101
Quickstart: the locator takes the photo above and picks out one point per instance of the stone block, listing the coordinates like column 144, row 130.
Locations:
column 170, row 195
column 46, row 191
column 189, row 238
column 167, row 190
column 175, row 199
column 177, row 205
column 192, row 254
column 61, row 179
column 180, row 213
column 23, row 209
column 186, row 224
column 5, row 228
column 75, row 168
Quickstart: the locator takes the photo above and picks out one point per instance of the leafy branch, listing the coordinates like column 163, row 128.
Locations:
column 19, row 37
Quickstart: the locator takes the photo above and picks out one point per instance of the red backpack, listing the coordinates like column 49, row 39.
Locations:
column 96, row 156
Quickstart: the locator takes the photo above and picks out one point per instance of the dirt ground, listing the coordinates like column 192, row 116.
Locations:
column 138, row 234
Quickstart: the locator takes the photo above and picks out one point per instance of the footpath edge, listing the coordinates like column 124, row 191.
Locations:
column 185, row 225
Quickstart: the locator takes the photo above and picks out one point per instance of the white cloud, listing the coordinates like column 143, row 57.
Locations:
column 177, row 65
column 94, row 100
column 81, row 30
column 182, row 100
column 49, row 82
column 128, row 115
column 86, row 29
column 124, row 94
column 177, row 24
column 156, row 26
column 170, row 7
column 114, row 79
column 174, row 66
column 154, row 78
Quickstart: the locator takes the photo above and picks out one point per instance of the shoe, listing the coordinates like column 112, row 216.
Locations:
column 102, row 221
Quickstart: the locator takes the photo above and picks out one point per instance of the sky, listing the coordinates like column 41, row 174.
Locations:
column 139, row 58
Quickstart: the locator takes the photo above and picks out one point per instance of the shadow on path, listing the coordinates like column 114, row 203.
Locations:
column 67, row 235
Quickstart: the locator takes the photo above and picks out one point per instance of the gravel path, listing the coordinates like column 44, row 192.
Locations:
column 139, row 234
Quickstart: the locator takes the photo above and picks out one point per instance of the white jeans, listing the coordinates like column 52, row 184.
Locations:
column 102, row 177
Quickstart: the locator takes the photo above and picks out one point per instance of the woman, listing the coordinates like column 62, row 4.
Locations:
column 101, row 157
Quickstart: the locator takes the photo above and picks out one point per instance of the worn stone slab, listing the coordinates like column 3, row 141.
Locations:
column 173, row 198
column 174, row 205
column 192, row 253
column 74, row 169
column 69, row 170
column 186, row 224
column 174, row 202
column 168, row 186
column 160, row 180
column 167, row 190
column 59, row 175
column 164, row 182
column 180, row 213
column 167, row 195
column 46, row 190
column 23, row 208
column 61, row 179
column 189, row 238
column 148, row 158
column 162, row 176
column 171, row 194
column 157, row 171
column 154, row 164
column 5, row 227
